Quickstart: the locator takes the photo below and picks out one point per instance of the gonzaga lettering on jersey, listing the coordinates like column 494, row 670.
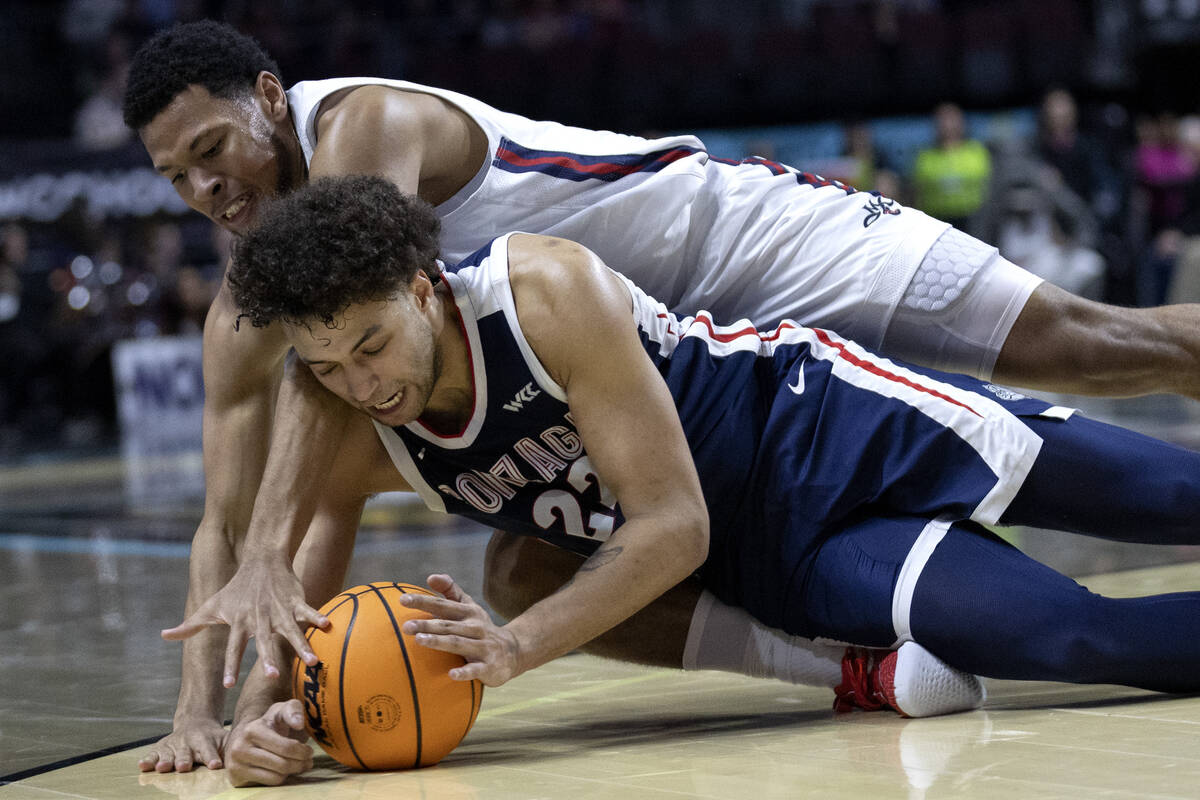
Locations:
column 780, row 469
column 748, row 239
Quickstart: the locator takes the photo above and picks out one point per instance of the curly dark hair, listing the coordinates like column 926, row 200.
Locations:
column 206, row 53
column 330, row 244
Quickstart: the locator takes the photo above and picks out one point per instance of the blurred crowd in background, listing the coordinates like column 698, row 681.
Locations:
column 1099, row 194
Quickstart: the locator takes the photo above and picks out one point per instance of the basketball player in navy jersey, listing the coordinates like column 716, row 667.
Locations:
column 828, row 490
column 217, row 122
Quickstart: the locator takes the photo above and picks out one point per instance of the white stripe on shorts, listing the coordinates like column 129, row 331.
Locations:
column 910, row 573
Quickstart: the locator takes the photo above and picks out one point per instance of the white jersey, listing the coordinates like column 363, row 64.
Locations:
column 752, row 239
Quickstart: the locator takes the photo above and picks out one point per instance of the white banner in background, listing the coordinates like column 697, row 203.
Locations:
column 160, row 402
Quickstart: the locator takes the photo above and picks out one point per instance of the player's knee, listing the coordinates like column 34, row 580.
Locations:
column 507, row 587
column 518, row 571
column 499, row 564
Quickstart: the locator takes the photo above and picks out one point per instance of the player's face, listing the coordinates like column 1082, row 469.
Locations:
column 224, row 156
column 381, row 357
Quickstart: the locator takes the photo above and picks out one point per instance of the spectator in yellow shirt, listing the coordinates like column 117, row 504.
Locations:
column 950, row 179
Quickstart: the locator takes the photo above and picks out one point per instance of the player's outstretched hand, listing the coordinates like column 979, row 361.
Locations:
column 462, row 626
column 263, row 597
column 267, row 749
column 195, row 740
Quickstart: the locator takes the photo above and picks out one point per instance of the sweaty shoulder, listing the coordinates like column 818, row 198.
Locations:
column 419, row 141
column 560, row 286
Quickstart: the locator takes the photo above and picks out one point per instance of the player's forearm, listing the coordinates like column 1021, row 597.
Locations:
column 642, row 560
column 258, row 694
column 308, row 428
column 211, row 565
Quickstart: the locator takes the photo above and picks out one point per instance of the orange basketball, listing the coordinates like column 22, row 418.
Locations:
column 379, row 700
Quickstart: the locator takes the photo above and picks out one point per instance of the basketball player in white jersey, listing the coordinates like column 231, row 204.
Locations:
column 753, row 239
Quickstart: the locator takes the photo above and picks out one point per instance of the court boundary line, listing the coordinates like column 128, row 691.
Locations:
column 71, row 761
column 33, row 772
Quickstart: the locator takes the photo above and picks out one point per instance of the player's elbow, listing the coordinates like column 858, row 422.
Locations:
column 691, row 530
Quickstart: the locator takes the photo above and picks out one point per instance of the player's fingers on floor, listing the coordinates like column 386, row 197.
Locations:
column 206, row 753
column 270, row 741
column 290, row 759
column 149, row 761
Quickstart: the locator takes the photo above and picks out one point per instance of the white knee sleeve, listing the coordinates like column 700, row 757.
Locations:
column 959, row 307
column 726, row 638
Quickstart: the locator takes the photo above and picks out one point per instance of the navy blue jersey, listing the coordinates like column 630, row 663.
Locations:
column 794, row 433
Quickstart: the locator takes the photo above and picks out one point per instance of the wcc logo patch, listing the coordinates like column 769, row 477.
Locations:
column 524, row 396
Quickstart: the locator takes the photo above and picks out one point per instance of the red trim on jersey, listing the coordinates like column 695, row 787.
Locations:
column 603, row 168
column 775, row 334
column 875, row 369
column 725, row 337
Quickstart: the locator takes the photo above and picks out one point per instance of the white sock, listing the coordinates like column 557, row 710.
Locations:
column 726, row 638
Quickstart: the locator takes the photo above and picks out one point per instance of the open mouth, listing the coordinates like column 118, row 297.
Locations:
column 390, row 403
column 235, row 208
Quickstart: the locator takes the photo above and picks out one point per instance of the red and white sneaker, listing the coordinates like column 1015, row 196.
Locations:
column 911, row 680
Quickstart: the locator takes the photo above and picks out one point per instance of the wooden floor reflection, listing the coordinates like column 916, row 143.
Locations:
column 89, row 580
column 585, row 728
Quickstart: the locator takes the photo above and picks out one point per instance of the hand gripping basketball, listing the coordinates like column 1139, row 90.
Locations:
column 461, row 626
column 263, row 597
column 376, row 700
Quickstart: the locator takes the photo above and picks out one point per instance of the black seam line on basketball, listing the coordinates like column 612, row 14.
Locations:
column 342, row 683
column 471, row 717
column 33, row 772
column 412, row 679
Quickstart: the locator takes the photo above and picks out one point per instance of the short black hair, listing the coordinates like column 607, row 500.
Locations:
column 330, row 244
column 211, row 54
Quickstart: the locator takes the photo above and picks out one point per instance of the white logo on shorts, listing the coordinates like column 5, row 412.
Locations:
column 798, row 387
column 1002, row 393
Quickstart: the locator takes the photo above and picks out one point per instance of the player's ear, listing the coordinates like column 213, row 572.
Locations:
column 422, row 289
column 272, row 95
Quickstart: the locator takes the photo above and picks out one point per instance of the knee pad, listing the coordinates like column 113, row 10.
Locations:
column 959, row 307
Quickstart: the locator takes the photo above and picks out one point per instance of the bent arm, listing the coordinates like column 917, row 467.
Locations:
column 630, row 428
column 418, row 141
column 239, row 386
column 240, row 383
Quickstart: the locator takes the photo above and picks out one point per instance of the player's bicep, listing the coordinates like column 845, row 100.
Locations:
column 620, row 403
column 378, row 131
column 629, row 425
column 242, row 370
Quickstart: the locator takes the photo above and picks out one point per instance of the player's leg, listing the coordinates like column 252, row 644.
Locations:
column 1065, row 343
column 969, row 310
column 690, row 628
column 983, row 606
column 1102, row 480
column 1026, row 464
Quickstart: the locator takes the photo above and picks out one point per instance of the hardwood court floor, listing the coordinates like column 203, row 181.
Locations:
column 89, row 581
column 585, row 728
